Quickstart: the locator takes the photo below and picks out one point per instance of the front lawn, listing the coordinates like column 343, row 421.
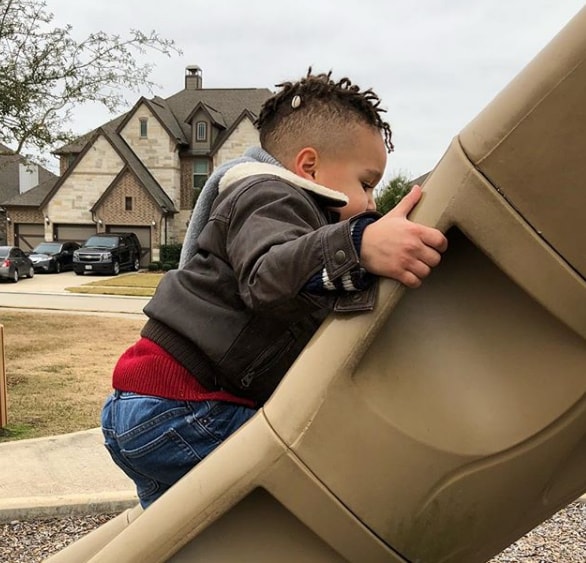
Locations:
column 134, row 284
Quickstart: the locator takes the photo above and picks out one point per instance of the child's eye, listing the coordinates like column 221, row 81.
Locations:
column 366, row 186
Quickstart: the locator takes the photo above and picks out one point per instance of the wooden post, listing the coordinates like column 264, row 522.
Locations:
column 3, row 389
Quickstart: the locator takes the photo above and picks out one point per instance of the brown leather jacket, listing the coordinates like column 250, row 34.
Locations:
column 236, row 315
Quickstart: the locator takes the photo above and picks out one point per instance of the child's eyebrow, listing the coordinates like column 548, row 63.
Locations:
column 374, row 174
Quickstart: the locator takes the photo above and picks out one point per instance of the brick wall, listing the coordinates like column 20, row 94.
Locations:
column 3, row 238
column 22, row 215
column 186, row 194
column 113, row 208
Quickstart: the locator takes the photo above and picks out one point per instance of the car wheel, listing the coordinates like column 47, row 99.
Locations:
column 116, row 268
column 14, row 277
column 57, row 267
column 136, row 264
column 31, row 273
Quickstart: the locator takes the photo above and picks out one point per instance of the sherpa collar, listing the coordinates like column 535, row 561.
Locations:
column 247, row 169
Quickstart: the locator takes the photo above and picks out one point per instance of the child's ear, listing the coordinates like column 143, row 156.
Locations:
column 306, row 162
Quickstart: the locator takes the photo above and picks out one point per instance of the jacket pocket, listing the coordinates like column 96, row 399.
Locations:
column 267, row 363
column 265, row 372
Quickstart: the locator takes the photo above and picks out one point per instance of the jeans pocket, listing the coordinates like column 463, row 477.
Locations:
column 157, row 441
column 166, row 448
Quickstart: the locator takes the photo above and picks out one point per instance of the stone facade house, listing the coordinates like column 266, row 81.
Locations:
column 142, row 171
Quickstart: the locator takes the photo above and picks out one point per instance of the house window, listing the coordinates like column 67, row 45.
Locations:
column 128, row 203
column 201, row 131
column 200, row 172
column 144, row 127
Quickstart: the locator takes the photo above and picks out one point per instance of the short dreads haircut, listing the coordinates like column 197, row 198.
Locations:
column 316, row 111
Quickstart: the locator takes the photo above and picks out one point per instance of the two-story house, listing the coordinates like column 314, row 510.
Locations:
column 142, row 171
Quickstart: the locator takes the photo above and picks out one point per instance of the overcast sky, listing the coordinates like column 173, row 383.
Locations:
column 434, row 63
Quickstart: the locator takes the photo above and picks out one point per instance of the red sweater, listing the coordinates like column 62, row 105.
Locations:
column 147, row 369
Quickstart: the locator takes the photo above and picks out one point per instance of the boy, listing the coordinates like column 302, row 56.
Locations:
column 292, row 235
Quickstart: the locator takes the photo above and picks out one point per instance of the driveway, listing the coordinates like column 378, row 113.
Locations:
column 47, row 283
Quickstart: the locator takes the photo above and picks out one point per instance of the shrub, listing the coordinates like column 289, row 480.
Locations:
column 154, row 266
column 168, row 266
column 170, row 254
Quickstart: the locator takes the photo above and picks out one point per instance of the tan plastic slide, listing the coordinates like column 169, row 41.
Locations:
column 451, row 420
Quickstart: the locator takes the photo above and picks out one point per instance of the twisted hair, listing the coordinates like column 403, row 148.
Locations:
column 315, row 110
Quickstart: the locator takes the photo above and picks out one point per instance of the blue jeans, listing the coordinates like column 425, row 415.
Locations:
column 157, row 441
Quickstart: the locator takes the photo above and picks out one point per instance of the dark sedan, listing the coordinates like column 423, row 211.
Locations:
column 14, row 264
column 53, row 256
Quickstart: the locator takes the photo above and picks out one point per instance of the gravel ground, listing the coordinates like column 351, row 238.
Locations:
column 562, row 539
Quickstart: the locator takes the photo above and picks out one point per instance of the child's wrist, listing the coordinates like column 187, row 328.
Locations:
column 357, row 227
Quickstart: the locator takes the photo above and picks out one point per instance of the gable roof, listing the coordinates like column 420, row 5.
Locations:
column 160, row 109
column 227, row 102
column 125, row 169
column 216, row 117
column 9, row 176
column 225, row 106
column 140, row 171
column 225, row 134
column 132, row 162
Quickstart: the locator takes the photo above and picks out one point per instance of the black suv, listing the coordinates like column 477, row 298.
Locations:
column 107, row 253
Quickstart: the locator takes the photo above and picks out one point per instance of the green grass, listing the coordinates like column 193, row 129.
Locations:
column 17, row 432
column 135, row 285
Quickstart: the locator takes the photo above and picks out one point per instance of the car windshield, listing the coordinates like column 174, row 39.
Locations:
column 102, row 242
column 4, row 250
column 47, row 248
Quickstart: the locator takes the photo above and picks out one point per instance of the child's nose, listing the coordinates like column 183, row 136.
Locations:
column 371, row 205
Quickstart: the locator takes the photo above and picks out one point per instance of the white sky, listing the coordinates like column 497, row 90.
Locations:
column 434, row 63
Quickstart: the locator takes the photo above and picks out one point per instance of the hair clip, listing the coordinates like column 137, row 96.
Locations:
column 296, row 102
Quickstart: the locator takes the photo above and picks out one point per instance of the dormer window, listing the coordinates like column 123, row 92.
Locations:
column 201, row 131
column 144, row 128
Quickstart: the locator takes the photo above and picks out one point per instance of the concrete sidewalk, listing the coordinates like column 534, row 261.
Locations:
column 61, row 476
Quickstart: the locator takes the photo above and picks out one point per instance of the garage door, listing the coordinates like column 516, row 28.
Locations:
column 144, row 237
column 28, row 235
column 78, row 233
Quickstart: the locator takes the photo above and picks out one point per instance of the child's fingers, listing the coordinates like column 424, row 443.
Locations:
column 434, row 238
column 409, row 201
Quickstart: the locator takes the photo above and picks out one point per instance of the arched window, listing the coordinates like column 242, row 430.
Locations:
column 201, row 131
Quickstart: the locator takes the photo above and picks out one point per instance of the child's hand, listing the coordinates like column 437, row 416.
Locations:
column 397, row 248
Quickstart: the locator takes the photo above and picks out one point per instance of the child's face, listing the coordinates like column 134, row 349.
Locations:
column 355, row 171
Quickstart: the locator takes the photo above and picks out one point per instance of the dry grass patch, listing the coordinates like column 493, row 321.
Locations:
column 135, row 285
column 58, row 369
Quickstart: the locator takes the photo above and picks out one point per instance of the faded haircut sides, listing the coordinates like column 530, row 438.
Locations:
column 317, row 111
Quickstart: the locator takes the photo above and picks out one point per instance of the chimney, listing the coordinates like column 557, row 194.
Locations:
column 28, row 176
column 193, row 79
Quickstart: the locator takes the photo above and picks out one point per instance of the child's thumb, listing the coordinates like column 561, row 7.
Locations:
column 409, row 201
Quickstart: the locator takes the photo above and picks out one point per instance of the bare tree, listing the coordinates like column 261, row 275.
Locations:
column 45, row 73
